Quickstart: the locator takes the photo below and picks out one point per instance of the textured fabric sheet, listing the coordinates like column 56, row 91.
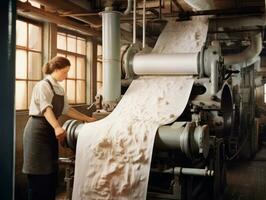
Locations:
column 182, row 36
column 114, row 154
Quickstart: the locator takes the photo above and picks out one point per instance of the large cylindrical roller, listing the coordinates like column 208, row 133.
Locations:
column 186, row 137
column 166, row 64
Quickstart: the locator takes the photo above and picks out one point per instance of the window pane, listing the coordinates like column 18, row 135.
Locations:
column 71, row 91
column 72, row 71
column 35, row 66
column 31, row 84
column 35, row 37
column 80, row 68
column 99, row 50
column 81, row 46
column 60, row 54
column 80, row 91
column 21, row 64
column 99, row 85
column 21, row 95
column 21, row 33
column 99, row 71
column 61, row 41
column 71, row 43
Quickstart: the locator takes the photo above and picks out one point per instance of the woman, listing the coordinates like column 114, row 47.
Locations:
column 43, row 131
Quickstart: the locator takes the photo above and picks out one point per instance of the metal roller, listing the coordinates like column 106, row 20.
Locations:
column 186, row 137
column 72, row 128
column 166, row 64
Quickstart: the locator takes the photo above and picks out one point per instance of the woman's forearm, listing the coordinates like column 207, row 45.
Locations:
column 50, row 117
column 73, row 113
column 58, row 130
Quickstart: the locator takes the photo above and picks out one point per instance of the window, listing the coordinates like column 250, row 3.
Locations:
column 74, row 48
column 28, row 61
column 264, row 92
column 99, row 68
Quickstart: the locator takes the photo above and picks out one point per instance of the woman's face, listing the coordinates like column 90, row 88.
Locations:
column 61, row 74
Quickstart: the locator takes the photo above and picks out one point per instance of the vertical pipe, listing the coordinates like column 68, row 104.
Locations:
column 246, row 56
column 134, row 21
column 160, row 9
column 7, row 94
column 214, row 77
column 144, row 24
column 171, row 6
column 129, row 7
column 111, row 57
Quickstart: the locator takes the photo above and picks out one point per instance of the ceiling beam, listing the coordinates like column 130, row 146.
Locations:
column 25, row 9
column 65, row 6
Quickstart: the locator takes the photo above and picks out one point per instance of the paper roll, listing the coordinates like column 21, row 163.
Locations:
column 114, row 154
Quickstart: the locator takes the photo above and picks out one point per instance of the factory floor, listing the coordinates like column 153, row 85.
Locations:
column 61, row 196
column 246, row 180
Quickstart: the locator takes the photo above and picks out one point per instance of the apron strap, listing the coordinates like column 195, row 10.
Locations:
column 49, row 82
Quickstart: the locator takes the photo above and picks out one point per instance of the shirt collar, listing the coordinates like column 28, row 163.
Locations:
column 52, row 80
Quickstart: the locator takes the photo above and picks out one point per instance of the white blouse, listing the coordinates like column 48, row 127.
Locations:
column 42, row 96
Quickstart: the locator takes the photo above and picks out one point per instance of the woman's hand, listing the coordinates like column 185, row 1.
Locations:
column 59, row 131
column 89, row 119
column 73, row 113
column 60, row 134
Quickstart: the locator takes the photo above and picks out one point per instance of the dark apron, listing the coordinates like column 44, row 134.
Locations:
column 39, row 141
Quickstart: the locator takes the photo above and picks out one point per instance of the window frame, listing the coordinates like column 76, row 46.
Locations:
column 27, row 49
column 99, row 60
column 264, row 93
column 76, row 55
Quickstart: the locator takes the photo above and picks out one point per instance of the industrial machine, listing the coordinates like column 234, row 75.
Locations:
column 191, row 150
column 189, row 156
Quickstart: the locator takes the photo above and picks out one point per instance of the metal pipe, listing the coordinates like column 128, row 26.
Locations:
column 144, row 24
column 190, row 171
column 160, row 9
column 111, row 57
column 182, row 63
column 246, row 57
column 129, row 7
column 134, row 21
column 214, row 77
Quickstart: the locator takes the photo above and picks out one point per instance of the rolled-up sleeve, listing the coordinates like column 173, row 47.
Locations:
column 66, row 105
column 44, row 96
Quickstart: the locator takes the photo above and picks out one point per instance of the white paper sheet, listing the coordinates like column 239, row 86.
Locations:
column 114, row 154
column 182, row 36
